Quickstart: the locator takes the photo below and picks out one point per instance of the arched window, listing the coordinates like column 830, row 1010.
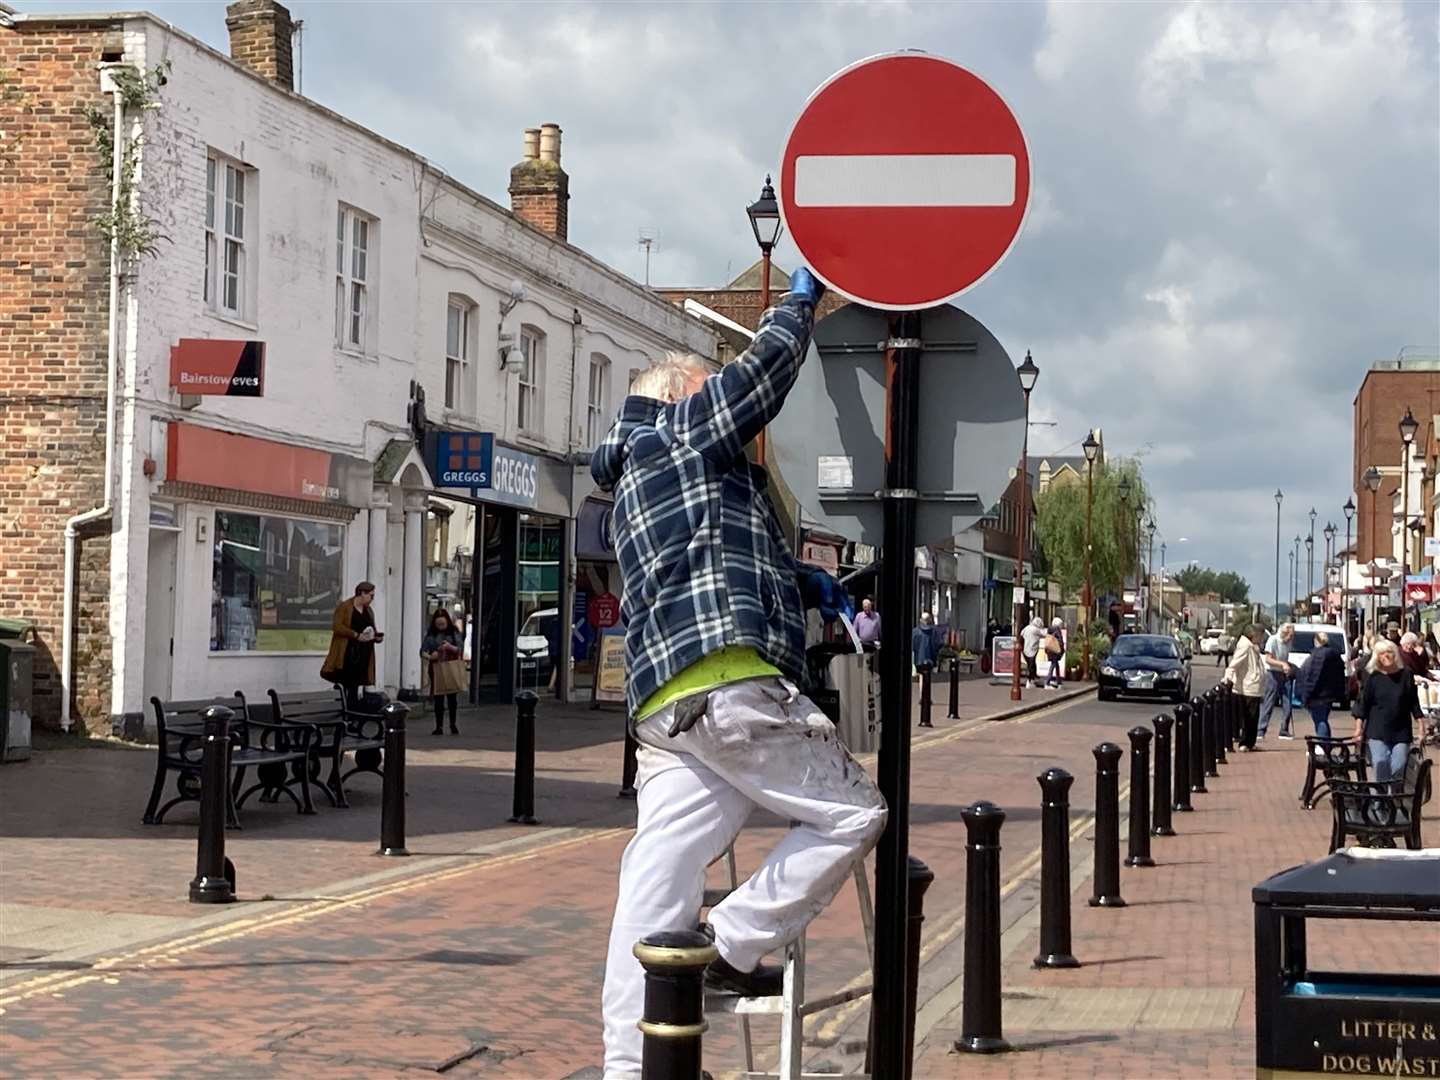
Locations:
column 529, row 408
column 597, row 399
column 459, row 348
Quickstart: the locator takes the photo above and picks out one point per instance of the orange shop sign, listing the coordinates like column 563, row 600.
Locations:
column 202, row 455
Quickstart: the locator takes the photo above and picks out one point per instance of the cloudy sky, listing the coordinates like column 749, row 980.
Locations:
column 1236, row 206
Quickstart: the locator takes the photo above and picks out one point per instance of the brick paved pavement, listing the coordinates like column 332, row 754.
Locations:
column 505, row 951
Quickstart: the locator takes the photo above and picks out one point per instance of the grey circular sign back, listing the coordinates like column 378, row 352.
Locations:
column 828, row 443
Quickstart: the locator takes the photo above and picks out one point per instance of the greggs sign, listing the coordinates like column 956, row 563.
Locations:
column 201, row 455
column 208, row 366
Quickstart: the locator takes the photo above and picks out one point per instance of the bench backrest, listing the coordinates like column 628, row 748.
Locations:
column 292, row 708
column 190, row 715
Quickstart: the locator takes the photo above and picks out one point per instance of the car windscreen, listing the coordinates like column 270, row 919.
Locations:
column 1304, row 642
column 1155, row 648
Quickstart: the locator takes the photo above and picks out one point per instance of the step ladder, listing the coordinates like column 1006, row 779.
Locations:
column 792, row 1006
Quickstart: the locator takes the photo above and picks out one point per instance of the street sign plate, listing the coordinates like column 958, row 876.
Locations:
column 905, row 181
column 826, row 445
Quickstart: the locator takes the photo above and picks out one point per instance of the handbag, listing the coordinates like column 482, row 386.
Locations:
column 1052, row 645
column 447, row 677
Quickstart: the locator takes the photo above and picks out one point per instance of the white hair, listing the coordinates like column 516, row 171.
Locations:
column 672, row 378
column 1384, row 645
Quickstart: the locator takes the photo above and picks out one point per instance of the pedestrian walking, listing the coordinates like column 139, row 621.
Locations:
column 867, row 625
column 443, row 649
column 924, row 648
column 714, row 612
column 1321, row 682
column 1247, row 674
column 1279, row 682
column 350, row 663
column 1031, row 639
column 1054, row 652
column 1385, row 713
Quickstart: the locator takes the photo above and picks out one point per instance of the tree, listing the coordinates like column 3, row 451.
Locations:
column 1060, row 529
column 1228, row 585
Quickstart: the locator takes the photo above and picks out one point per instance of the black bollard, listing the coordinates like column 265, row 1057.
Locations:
column 1162, row 821
column 214, row 881
column 921, row 878
column 392, row 783
column 1232, row 718
column 1209, row 726
column 1222, row 724
column 980, row 1008
column 1138, row 850
column 1055, row 870
column 628, row 766
column 1107, row 826
column 1182, row 759
column 1197, row 746
column 954, row 688
column 523, row 807
column 673, row 1021
column 925, row 674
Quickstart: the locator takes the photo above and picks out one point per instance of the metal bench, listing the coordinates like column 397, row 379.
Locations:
column 1330, row 759
column 339, row 730
column 1377, row 814
column 270, row 749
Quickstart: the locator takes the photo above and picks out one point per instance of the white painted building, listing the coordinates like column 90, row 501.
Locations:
column 358, row 267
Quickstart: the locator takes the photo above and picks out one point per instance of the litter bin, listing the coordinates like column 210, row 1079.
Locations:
column 18, row 629
column 17, row 665
column 1331, row 1023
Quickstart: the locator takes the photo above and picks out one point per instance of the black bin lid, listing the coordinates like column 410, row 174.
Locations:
column 1378, row 879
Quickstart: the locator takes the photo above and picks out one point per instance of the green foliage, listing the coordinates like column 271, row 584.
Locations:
column 1060, row 528
column 1231, row 587
column 124, row 223
column 1075, row 653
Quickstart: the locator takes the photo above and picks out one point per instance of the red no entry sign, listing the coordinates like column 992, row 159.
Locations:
column 904, row 181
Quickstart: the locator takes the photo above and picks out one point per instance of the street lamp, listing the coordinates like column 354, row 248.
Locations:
column 1291, row 556
column 1349, row 509
column 1310, row 563
column 1028, row 373
column 1329, row 558
column 1408, row 427
column 1091, row 446
column 764, row 214
column 1149, row 568
column 1279, row 498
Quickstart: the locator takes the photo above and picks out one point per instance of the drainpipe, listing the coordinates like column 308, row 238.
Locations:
column 112, row 353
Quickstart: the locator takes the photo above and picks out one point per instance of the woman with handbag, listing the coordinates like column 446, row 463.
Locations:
column 1054, row 652
column 443, row 648
column 350, row 663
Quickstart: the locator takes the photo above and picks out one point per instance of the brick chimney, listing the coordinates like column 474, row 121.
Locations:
column 539, row 188
column 260, row 38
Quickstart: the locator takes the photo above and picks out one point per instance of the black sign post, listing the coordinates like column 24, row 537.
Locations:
column 897, row 591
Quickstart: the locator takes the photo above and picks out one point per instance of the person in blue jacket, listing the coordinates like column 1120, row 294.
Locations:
column 924, row 643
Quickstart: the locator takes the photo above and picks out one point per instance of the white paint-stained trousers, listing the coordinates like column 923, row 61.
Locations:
column 760, row 743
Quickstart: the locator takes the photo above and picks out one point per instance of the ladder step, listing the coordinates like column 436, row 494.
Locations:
column 745, row 1006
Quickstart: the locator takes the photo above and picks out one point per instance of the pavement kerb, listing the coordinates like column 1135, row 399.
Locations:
column 411, row 873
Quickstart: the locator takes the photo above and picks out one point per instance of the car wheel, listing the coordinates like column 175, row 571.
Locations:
column 1107, row 695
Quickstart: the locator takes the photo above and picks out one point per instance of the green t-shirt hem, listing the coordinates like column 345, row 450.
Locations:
column 733, row 663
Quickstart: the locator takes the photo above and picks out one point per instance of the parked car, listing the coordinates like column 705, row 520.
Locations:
column 1150, row 664
column 1210, row 643
column 533, row 646
column 1304, row 644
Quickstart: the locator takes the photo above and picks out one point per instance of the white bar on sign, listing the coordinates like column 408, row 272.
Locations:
column 905, row 180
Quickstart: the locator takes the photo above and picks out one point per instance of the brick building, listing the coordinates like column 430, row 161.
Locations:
column 1388, row 388
column 262, row 458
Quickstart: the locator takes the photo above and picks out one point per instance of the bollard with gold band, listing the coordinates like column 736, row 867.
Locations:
column 674, row 1015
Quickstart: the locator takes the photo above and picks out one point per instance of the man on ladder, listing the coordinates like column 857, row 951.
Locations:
column 715, row 644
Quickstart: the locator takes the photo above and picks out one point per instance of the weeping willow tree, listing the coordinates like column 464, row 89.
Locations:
column 1116, row 545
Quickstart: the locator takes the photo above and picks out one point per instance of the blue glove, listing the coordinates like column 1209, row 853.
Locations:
column 806, row 286
column 822, row 591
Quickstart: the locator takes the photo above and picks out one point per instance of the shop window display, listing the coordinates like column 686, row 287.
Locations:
column 276, row 583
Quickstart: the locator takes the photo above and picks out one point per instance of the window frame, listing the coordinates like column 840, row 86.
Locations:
column 597, row 399
column 529, row 381
column 356, row 255
column 227, row 289
column 457, row 389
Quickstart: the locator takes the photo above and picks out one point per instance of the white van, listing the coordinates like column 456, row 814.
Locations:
column 1304, row 644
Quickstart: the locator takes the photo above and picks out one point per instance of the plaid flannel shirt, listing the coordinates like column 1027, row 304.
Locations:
column 702, row 557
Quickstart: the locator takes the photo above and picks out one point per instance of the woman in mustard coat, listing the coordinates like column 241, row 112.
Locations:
column 350, row 663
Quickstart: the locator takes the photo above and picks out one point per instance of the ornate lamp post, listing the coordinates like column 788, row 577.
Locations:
column 1295, row 586
column 1349, row 509
column 1371, row 479
column 1149, row 569
column 764, row 215
column 1092, row 450
column 1291, row 556
column 1408, row 427
column 1310, row 563
column 1126, row 537
column 1329, row 559
column 1028, row 374
column 1279, row 498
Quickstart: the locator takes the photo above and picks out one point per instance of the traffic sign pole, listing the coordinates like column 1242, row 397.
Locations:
column 889, row 1059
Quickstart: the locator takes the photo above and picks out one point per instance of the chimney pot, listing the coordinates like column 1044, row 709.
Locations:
column 550, row 143
column 261, row 38
column 532, row 144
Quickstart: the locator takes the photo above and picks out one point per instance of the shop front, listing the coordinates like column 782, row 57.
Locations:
column 251, row 545
column 596, row 606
